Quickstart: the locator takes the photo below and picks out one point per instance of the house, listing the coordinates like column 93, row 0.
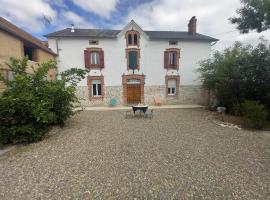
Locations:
column 17, row 43
column 133, row 65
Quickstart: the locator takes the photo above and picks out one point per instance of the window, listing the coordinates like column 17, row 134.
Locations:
column 93, row 42
column 129, row 39
column 10, row 75
column 133, row 60
column 94, row 58
column 135, row 39
column 96, row 88
column 172, row 58
column 29, row 52
column 171, row 87
column 173, row 42
column 132, row 38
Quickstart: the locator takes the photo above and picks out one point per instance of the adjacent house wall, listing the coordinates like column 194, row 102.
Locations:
column 11, row 46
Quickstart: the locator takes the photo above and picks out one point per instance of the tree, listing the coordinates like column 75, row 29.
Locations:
column 31, row 104
column 254, row 15
column 239, row 73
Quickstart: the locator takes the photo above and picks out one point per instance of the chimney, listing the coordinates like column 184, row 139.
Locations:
column 72, row 28
column 192, row 25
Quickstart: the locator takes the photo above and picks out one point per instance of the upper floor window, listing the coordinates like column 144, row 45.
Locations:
column 133, row 59
column 30, row 53
column 93, row 42
column 171, row 58
column 132, row 38
column 94, row 58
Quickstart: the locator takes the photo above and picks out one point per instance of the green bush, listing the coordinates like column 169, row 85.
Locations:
column 238, row 73
column 254, row 114
column 31, row 104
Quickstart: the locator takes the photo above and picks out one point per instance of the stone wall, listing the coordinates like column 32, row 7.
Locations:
column 188, row 94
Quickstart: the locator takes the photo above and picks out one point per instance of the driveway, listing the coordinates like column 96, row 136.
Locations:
column 179, row 154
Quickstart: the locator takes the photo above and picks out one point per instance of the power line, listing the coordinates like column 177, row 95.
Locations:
column 226, row 32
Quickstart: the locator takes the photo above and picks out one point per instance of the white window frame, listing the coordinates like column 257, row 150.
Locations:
column 170, row 90
column 95, row 58
column 95, row 84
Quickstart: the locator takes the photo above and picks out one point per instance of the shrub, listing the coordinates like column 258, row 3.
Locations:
column 239, row 73
column 254, row 114
column 31, row 103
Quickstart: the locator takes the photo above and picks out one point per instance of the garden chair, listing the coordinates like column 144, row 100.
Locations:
column 157, row 101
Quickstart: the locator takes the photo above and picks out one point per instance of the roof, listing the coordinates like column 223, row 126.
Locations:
column 21, row 34
column 154, row 35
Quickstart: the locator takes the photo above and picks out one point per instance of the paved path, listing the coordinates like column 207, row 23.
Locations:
column 178, row 154
column 96, row 108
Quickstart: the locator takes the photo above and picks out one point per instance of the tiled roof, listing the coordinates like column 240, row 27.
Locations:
column 19, row 33
column 154, row 35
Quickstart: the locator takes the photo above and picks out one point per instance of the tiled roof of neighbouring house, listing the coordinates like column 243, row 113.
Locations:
column 21, row 34
column 155, row 35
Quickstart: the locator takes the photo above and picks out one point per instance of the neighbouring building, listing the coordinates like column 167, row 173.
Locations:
column 134, row 65
column 14, row 42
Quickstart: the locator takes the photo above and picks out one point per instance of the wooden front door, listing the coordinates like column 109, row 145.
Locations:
column 133, row 93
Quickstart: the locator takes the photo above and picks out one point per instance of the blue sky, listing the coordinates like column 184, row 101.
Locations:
column 171, row 15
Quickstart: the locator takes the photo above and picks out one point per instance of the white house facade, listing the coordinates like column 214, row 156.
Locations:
column 134, row 66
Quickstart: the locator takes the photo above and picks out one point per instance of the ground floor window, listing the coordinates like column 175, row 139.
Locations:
column 96, row 88
column 171, row 87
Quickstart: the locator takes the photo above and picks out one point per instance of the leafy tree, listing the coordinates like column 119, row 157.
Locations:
column 239, row 73
column 31, row 104
column 254, row 15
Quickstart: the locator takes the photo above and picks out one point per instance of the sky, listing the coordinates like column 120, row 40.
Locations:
column 40, row 17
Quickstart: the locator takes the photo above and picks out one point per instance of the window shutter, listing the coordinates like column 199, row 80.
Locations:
column 101, row 59
column 171, row 83
column 166, row 59
column 87, row 55
column 133, row 60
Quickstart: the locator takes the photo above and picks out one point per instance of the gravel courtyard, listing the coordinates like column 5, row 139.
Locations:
column 179, row 154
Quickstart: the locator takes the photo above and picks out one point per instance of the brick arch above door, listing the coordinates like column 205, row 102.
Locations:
column 126, row 78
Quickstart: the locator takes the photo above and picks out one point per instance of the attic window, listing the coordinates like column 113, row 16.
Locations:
column 132, row 38
column 93, row 42
column 173, row 42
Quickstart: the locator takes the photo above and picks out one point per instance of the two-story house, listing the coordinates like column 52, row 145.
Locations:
column 134, row 65
column 16, row 43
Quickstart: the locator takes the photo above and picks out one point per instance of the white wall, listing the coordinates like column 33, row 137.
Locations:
column 71, row 54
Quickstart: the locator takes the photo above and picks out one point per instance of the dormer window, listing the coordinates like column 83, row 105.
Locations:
column 132, row 38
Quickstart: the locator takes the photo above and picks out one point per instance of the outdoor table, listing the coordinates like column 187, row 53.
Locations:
column 142, row 108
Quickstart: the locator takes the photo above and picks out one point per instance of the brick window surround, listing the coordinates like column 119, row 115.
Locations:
column 138, row 57
column 132, row 33
column 167, row 65
column 89, row 84
column 177, row 80
column 125, row 79
column 87, row 58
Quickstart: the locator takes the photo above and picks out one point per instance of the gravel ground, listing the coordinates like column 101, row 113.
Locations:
column 179, row 154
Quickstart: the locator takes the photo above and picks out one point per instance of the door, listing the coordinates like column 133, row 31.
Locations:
column 133, row 93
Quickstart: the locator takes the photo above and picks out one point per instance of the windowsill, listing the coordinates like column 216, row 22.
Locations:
column 171, row 95
column 97, row 97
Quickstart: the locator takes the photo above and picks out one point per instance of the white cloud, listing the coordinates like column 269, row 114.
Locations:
column 212, row 18
column 73, row 18
column 102, row 8
column 28, row 15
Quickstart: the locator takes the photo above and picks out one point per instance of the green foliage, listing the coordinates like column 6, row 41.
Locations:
column 254, row 114
column 239, row 73
column 254, row 15
column 31, row 103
